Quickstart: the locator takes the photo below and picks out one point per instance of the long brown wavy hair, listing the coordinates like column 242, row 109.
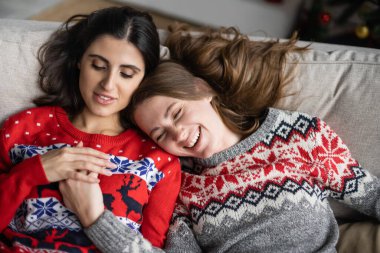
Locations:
column 245, row 76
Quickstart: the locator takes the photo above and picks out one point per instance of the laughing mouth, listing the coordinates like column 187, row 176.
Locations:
column 195, row 139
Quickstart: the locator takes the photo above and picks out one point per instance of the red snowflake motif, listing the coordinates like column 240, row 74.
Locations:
column 220, row 181
column 274, row 163
column 310, row 164
column 331, row 153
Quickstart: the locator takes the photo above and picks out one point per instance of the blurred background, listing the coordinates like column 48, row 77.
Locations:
column 349, row 22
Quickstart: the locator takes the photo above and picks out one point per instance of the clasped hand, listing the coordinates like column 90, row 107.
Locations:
column 69, row 162
column 83, row 199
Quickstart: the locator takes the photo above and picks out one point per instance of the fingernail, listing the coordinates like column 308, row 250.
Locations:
column 108, row 172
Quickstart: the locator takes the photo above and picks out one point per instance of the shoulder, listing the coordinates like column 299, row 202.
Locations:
column 291, row 115
column 25, row 123
column 286, row 123
column 165, row 162
column 32, row 114
column 294, row 118
column 144, row 148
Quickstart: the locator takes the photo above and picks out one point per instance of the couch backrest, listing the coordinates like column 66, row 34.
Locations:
column 341, row 86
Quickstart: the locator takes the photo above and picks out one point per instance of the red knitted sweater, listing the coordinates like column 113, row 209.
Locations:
column 141, row 192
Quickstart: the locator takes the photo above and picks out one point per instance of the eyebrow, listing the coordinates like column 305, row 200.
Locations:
column 123, row 65
column 165, row 116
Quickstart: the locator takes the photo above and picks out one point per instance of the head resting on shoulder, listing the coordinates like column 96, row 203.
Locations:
column 60, row 55
column 245, row 76
column 248, row 75
column 181, row 113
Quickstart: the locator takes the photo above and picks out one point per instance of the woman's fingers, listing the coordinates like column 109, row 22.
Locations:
column 92, row 167
column 80, row 144
column 64, row 163
column 86, row 151
column 92, row 160
column 80, row 176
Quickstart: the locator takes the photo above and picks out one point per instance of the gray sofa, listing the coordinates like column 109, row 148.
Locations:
column 340, row 84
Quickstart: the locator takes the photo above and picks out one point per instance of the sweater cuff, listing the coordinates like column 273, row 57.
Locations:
column 110, row 235
column 31, row 171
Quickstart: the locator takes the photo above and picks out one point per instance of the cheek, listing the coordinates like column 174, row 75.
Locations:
column 86, row 79
column 171, row 148
column 141, row 119
column 130, row 86
column 125, row 94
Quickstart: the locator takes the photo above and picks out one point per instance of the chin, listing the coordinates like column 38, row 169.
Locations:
column 103, row 112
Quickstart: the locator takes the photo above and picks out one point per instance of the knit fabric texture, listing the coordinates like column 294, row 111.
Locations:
column 141, row 193
column 269, row 192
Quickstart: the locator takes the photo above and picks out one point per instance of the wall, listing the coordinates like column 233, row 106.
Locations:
column 257, row 17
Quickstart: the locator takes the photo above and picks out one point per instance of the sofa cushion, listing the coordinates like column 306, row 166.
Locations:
column 19, row 42
column 359, row 237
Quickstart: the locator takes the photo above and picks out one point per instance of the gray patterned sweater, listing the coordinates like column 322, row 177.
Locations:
column 268, row 193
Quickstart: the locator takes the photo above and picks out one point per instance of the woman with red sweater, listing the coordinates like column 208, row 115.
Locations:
column 78, row 132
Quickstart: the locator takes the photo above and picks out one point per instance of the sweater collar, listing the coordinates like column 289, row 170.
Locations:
column 242, row 146
column 68, row 127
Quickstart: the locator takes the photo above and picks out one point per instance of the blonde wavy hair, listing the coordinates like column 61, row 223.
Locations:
column 245, row 76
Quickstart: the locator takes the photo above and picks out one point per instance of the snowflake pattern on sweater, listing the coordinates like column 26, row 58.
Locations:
column 37, row 214
column 268, row 193
column 37, row 219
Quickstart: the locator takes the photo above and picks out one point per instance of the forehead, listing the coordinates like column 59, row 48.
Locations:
column 159, row 103
column 153, row 108
column 118, row 50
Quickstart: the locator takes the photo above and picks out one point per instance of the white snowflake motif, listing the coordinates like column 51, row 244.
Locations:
column 144, row 168
column 36, row 214
column 21, row 152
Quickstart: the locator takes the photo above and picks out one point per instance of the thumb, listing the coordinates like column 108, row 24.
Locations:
column 80, row 144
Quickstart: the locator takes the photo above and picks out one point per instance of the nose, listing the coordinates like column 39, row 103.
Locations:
column 109, row 81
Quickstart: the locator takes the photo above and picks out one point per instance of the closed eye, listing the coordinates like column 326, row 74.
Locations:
column 98, row 67
column 160, row 136
column 177, row 114
column 125, row 75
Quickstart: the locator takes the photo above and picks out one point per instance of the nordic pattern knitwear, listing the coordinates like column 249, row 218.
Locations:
column 269, row 192
column 141, row 192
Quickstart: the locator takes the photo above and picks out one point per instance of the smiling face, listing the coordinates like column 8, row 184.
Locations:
column 189, row 128
column 110, row 71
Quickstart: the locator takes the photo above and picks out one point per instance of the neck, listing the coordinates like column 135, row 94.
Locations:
column 94, row 124
column 231, row 138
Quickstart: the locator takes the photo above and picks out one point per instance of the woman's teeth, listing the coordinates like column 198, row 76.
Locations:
column 194, row 140
column 104, row 97
column 104, row 100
